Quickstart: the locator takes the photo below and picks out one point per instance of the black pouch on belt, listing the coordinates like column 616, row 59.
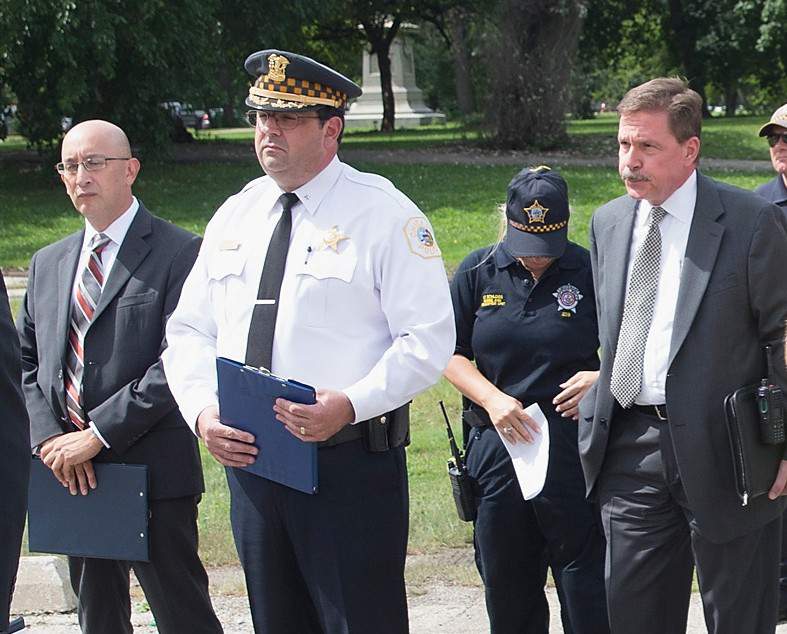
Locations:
column 388, row 430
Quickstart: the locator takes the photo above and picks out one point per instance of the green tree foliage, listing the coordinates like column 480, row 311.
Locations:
column 376, row 23
column 728, row 49
column 103, row 58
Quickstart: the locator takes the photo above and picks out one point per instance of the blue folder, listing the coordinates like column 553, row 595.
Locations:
column 246, row 397
column 110, row 522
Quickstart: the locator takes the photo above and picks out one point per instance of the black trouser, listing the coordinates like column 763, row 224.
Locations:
column 654, row 544
column 331, row 562
column 515, row 540
column 783, row 573
column 174, row 580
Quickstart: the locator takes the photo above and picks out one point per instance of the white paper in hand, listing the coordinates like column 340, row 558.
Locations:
column 531, row 459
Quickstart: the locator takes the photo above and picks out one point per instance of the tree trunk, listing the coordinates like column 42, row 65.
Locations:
column 530, row 65
column 225, row 79
column 383, row 53
column 380, row 39
column 730, row 98
column 464, row 87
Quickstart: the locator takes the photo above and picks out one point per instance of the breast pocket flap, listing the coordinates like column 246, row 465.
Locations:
column 223, row 264
column 137, row 298
column 328, row 264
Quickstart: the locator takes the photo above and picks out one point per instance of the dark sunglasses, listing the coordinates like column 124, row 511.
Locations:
column 773, row 139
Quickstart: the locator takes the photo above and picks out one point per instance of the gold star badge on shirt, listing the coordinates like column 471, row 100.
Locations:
column 333, row 237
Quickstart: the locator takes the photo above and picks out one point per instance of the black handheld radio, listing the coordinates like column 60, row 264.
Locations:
column 770, row 407
column 463, row 486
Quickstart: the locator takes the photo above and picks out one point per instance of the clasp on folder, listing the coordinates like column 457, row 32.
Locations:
column 259, row 369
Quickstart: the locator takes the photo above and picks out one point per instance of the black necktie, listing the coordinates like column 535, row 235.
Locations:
column 259, row 347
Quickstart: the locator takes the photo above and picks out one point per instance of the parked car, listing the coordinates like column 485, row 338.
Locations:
column 187, row 115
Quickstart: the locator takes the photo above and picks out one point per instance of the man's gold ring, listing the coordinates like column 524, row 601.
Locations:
column 303, row 431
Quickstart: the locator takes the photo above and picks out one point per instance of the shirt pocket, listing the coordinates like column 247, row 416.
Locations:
column 324, row 295
column 225, row 281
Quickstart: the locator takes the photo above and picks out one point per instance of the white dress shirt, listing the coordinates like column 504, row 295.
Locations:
column 674, row 236
column 371, row 317
column 116, row 232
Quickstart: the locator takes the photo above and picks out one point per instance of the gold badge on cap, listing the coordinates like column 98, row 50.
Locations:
column 332, row 238
column 276, row 66
column 536, row 212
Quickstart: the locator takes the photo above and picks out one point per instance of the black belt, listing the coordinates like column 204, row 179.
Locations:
column 345, row 434
column 657, row 411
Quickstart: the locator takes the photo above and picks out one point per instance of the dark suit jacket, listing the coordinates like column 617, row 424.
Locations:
column 732, row 301
column 125, row 390
column 774, row 191
column 14, row 456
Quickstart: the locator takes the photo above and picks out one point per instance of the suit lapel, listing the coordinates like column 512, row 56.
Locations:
column 66, row 272
column 701, row 250
column 133, row 250
column 617, row 243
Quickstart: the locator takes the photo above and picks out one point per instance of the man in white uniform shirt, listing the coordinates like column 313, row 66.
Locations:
column 689, row 285
column 344, row 269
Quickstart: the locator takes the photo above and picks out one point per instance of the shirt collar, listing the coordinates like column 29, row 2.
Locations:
column 118, row 229
column 780, row 189
column 312, row 193
column 680, row 204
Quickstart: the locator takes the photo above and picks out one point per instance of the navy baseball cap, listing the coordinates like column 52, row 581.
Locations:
column 289, row 82
column 537, row 214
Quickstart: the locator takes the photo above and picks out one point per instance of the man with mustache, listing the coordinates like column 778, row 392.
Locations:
column 689, row 283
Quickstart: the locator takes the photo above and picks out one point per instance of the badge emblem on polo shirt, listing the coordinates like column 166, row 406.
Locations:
column 276, row 66
column 492, row 299
column 332, row 238
column 536, row 212
column 420, row 239
column 568, row 296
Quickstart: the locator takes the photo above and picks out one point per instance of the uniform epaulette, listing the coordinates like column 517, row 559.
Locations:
column 254, row 183
column 380, row 183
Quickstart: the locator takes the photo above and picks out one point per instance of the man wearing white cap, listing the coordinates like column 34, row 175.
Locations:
column 776, row 133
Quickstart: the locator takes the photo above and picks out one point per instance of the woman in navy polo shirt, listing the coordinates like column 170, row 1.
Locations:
column 525, row 314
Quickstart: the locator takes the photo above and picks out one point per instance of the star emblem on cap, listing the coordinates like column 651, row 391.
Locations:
column 536, row 212
column 333, row 237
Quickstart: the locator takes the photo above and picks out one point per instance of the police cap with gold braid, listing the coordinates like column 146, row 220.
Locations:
column 286, row 81
column 537, row 214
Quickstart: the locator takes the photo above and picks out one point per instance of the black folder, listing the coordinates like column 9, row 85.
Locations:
column 110, row 522
column 755, row 464
column 246, row 397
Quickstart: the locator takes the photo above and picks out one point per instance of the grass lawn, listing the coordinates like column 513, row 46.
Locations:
column 460, row 200
column 722, row 138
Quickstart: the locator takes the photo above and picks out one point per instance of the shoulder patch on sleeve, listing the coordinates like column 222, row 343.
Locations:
column 419, row 238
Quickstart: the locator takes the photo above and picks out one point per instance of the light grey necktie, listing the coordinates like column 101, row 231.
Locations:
column 638, row 314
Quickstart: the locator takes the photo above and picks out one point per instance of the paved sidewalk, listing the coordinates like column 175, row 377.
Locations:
column 454, row 609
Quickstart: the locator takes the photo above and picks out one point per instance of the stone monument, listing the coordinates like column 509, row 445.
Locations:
column 410, row 109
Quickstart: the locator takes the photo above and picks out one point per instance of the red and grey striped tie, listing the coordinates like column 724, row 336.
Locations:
column 85, row 300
